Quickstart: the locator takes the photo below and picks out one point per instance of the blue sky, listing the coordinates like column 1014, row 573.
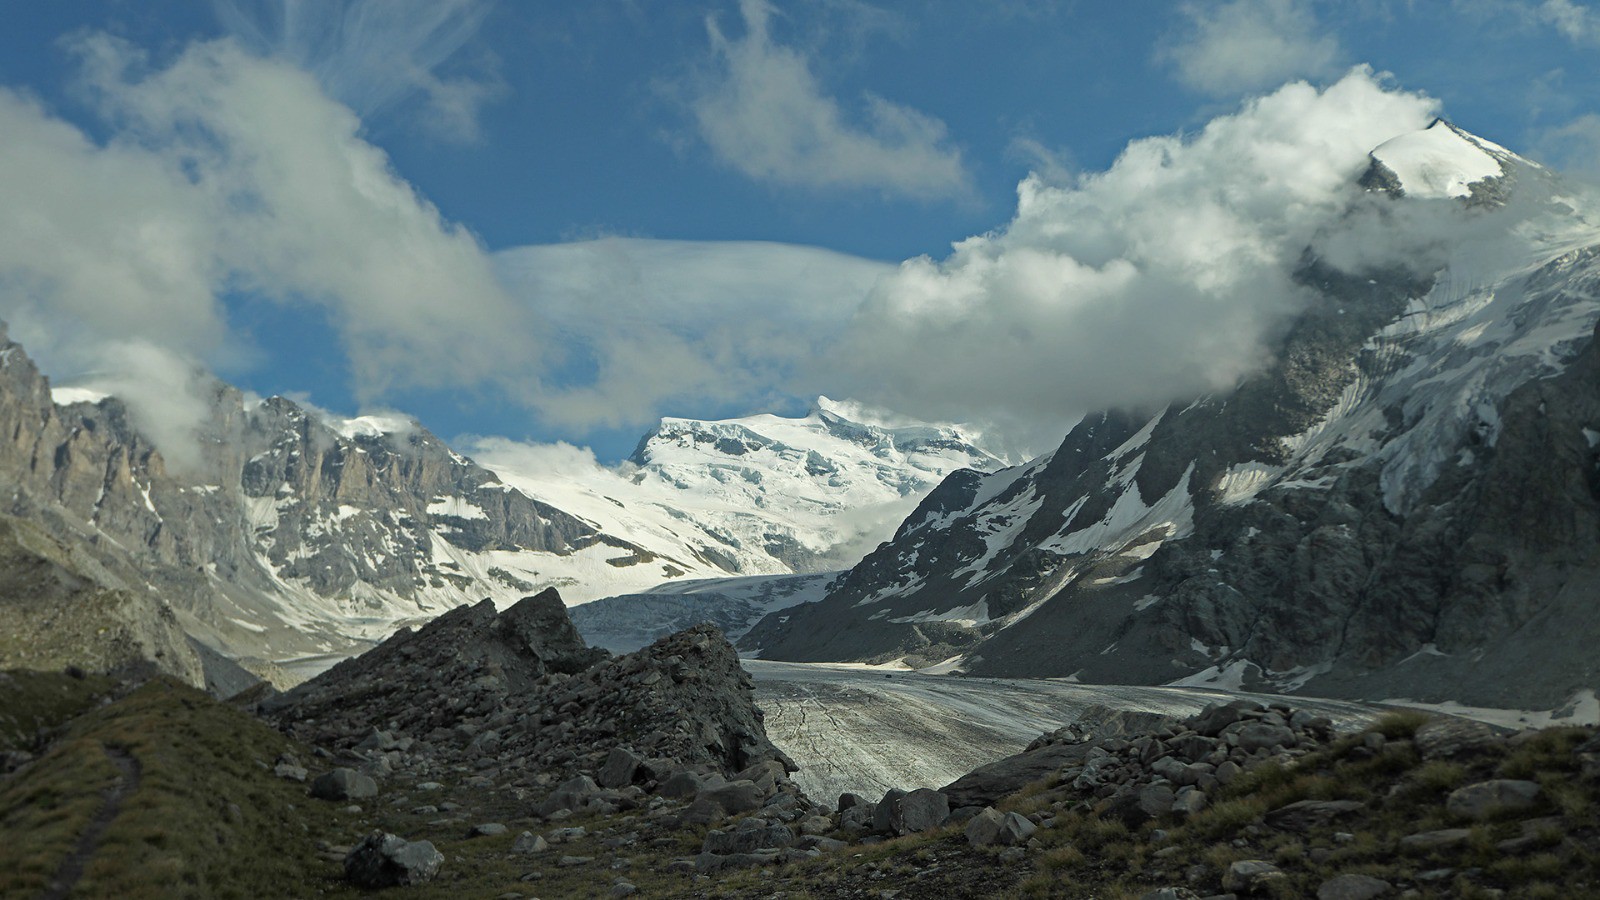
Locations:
column 542, row 219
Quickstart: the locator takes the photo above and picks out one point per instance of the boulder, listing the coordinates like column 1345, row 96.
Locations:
column 923, row 809
column 881, row 813
column 1249, row 876
column 680, row 785
column 570, row 794
column 620, row 768
column 734, row 797
column 1261, row 736
column 1353, row 887
column 1487, row 799
column 750, row 835
column 384, row 860
column 1210, row 721
column 343, row 784
column 487, row 829
column 992, row 827
column 1305, row 815
column 1446, row 737
column 528, row 842
column 1424, row 841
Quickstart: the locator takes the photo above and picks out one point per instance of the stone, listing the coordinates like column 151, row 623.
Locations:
column 1260, row 736
column 1435, row 840
column 703, row 811
column 851, row 801
column 289, row 772
column 1170, row 893
column 1155, row 800
column 570, row 794
column 620, row 768
column 751, row 835
column 1353, row 887
column 1210, row 721
column 1445, row 737
column 386, row 860
column 734, row 797
column 882, row 821
column 992, row 827
column 1249, row 875
column 1487, row 799
column 1189, row 801
column 680, row 785
column 1304, row 815
column 343, row 784
column 528, row 842
column 924, row 809
column 623, row 889
column 487, row 829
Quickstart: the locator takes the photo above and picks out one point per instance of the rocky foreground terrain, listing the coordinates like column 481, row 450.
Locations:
column 494, row 755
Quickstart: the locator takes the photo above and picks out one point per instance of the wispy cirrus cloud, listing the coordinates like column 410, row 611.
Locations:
column 376, row 56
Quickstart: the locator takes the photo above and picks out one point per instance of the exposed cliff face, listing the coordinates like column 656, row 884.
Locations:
column 293, row 536
column 1402, row 504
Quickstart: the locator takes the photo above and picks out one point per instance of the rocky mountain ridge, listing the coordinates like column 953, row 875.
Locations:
column 1402, row 504
column 299, row 534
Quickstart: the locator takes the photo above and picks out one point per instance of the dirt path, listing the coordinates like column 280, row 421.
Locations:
column 128, row 772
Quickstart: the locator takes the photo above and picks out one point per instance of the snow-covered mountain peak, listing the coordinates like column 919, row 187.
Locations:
column 1440, row 161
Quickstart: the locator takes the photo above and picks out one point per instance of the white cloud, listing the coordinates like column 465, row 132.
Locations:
column 375, row 55
column 764, row 113
column 1165, row 276
column 646, row 324
column 1573, row 147
column 1578, row 23
column 230, row 173
column 1249, row 45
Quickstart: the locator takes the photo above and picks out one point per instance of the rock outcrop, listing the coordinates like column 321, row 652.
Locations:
column 517, row 695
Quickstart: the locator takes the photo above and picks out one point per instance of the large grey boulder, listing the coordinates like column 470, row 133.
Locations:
column 619, row 769
column 992, row 827
column 570, row 794
column 1487, row 799
column 923, row 809
column 343, row 784
column 734, row 797
column 1250, row 875
column 1261, row 736
column 385, row 860
column 750, row 835
column 1353, row 887
column 1446, row 737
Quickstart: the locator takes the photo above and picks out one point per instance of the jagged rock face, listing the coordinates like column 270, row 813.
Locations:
column 289, row 536
column 1404, row 503
column 550, row 703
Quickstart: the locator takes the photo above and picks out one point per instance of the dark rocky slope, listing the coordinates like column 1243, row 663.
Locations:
column 1403, row 503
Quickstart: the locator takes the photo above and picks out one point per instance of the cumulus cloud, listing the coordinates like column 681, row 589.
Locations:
column 763, row 112
column 643, row 324
column 1247, row 45
column 1165, row 276
column 228, row 174
column 376, row 55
